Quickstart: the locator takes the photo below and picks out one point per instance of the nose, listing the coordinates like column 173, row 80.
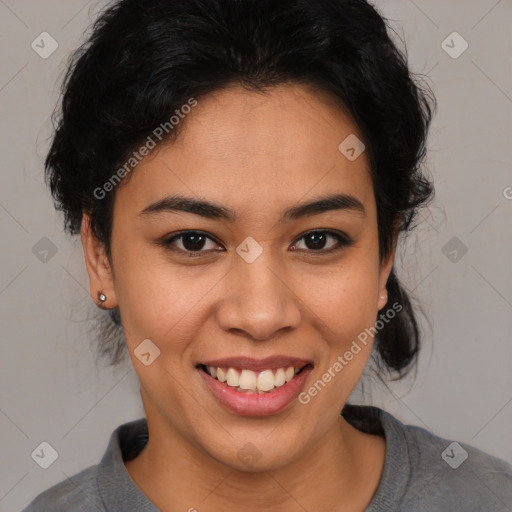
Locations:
column 258, row 301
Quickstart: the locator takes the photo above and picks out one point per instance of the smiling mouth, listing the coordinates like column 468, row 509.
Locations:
column 254, row 382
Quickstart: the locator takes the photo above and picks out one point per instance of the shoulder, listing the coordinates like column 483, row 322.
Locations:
column 424, row 471
column 104, row 486
column 77, row 493
column 443, row 474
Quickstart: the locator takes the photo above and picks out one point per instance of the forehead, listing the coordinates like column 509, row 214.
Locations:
column 249, row 149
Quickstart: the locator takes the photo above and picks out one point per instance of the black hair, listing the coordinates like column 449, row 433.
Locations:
column 146, row 58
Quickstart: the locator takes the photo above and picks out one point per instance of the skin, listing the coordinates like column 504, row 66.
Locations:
column 258, row 154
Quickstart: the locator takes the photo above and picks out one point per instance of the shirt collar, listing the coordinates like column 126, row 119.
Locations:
column 117, row 489
column 120, row 493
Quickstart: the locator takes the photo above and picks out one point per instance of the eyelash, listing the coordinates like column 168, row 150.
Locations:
column 342, row 239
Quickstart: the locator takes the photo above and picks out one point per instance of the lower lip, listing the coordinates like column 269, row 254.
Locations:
column 255, row 404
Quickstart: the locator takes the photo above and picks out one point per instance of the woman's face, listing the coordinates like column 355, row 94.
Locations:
column 256, row 286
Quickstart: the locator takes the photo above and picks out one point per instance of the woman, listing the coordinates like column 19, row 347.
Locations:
column 239, row 172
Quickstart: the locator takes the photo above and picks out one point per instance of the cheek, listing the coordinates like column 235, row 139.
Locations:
column 160, row 302
column 344, row 302
column 343, row 309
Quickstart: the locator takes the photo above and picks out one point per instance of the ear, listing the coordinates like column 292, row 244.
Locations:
column 385, row 270
column 98, row 266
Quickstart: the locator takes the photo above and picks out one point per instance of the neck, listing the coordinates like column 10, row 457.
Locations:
column 341, row 472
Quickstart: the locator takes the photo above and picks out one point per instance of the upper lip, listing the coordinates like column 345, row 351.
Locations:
column 249, row 363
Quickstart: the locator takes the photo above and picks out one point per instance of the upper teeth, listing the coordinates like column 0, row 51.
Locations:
column 245, row 379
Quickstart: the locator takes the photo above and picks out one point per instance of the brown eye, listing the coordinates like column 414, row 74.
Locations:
column 190, row 242
column 193, row 241
column 316, row 241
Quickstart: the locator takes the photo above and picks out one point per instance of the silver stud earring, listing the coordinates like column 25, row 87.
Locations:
column 102, row 298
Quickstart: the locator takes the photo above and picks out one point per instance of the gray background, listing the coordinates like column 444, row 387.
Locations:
column 53, row 390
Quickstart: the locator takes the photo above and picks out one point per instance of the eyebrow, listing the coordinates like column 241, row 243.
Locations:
column 174, row 203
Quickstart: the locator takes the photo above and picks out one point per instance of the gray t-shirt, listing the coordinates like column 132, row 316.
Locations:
column 422, row 472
